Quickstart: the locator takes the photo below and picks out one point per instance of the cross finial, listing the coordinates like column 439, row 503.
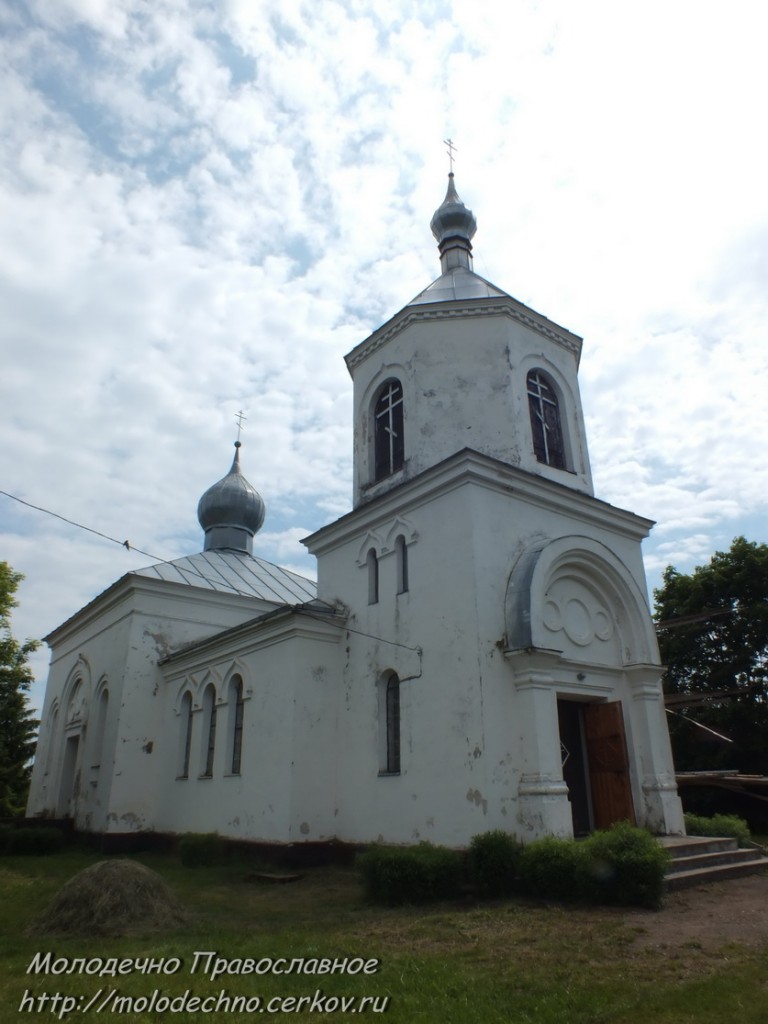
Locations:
column 451, row 150
column 240, row 417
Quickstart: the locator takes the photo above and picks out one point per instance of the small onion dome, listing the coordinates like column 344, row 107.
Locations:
column 454, row 227
column 231, row 512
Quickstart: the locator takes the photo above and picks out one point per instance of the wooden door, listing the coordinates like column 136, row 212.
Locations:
column 608, row 764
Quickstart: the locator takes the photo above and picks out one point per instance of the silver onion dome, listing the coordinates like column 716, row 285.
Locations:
column 454, row 226
column 231, row 511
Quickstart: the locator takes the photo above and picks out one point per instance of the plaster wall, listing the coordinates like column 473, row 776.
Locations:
column 115, row 644
column 285, row 790
column 464, row 385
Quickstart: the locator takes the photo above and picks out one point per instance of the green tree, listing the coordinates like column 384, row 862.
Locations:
column 17, row 724
column 713, row 637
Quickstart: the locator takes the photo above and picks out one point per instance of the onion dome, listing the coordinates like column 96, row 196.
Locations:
column 454, row 226
column 231, row 512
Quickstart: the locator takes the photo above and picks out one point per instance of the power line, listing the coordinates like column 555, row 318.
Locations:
column 123, row 543
column 222, row 583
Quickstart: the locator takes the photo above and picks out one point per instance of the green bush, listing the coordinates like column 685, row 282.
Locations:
column 623, row 865
column 552, row 869
column 410, row 874
column 35, row 841
column 493, row 863
column 200, row 849
column 719, row 825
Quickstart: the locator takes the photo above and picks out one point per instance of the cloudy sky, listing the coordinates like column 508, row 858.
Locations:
column 204, row 205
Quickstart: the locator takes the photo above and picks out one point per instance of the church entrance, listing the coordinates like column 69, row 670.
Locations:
column 595, row 763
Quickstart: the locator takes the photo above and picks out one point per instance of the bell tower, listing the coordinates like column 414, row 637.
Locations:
column 466, row 366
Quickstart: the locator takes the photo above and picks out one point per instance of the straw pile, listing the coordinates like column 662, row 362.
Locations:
column 112, row 897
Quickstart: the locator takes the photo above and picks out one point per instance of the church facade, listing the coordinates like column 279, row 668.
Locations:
column 477, row 652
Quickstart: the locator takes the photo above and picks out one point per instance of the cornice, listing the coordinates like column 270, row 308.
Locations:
column 132, row 584
column 471, row 467
column 263, row 631
column 503, row 306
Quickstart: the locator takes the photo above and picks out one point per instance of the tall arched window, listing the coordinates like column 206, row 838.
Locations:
column 236, row 712
column 209, row 730
column 392, row 702
column 97, row 751
column 373, row 577
column 388, row 440
column 545, row 420
column 401, row 555
column 185, row 735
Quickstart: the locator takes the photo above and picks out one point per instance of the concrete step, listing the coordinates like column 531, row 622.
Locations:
column 690, row 846
column 711, row 860
column 698, row 860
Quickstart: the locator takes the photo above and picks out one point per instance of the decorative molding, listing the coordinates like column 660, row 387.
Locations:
column 499, row 307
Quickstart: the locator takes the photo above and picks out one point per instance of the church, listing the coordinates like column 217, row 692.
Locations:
column 477, row 652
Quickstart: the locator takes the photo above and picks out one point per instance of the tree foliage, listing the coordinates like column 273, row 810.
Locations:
column 713, row 637
column 17, row 724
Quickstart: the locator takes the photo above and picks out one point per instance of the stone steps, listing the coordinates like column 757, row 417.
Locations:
column 696, row 860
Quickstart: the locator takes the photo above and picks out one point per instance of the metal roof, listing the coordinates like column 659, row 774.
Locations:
column 458, row 283
column 234, row 572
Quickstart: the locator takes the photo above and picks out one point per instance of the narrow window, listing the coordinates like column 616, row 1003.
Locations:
column 389, row 449
column 185, row 735
column 393, row 724
column 101, row 724
column 209, row 729
column 545, row 420
column 373, row 577
column 236, row 711
column 52, row 737
column 401, row 555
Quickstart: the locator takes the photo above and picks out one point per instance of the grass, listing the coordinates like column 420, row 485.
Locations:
column 454, row 963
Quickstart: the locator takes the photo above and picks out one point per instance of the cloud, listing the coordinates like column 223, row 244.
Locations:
column 205, row 206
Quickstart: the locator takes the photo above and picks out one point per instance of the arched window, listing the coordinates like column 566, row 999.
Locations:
column 209, row 730
column 545, row 420
column 236, row 712
column 185, row 735
column 373, row 577
column 401, row 555
column 52, row 739
column 388, row 441
column 392, row 704
column 97, row 751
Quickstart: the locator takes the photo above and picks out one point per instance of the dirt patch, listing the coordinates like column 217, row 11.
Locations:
column 112, row 897
column 707, row 916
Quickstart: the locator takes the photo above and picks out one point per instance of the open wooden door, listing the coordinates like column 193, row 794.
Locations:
column 608, row 764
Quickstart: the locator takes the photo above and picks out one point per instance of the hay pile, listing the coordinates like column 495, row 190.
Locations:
column 113, row 897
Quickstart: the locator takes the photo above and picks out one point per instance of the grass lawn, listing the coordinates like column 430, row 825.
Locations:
column 454, row 963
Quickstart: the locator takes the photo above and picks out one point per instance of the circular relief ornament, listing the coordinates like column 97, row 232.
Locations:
column 578, row 622
column 603, row 625
column 552, row 617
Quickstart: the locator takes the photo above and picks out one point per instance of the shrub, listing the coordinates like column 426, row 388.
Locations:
column 198, row 849
column 624, row 865
column 35, row 841
column 719, row 825
column 551, row 868
column 410, row 874
column 493, row 863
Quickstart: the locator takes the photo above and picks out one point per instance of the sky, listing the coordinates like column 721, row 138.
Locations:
column 205, row 205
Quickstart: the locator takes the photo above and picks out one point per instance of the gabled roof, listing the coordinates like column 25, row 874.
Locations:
column 234, row 572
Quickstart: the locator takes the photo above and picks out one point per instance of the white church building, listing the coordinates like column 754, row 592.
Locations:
column 477, row 652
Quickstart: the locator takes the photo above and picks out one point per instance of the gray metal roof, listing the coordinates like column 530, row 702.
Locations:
column 234, row 572
column 458, row 283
